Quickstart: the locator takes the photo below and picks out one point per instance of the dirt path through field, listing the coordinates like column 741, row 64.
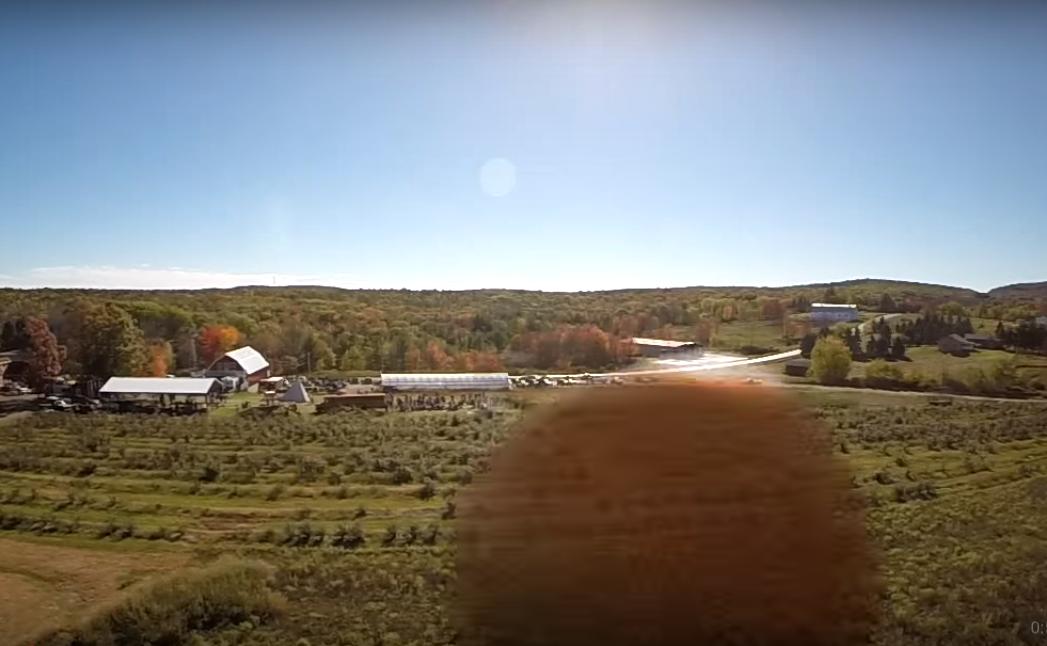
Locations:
column 46, row 584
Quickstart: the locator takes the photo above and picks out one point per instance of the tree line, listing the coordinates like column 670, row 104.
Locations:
column 311, row 328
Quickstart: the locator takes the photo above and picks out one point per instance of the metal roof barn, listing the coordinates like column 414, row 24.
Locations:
column 451, row 381
column 248, row 358
column 187, row 386
column 663, row 343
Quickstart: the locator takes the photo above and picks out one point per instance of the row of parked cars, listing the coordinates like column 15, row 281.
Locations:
column 539, row 381
column 12, row 388
column 69, row 404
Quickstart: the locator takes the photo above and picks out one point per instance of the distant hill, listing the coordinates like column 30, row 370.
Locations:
column 1021, row 291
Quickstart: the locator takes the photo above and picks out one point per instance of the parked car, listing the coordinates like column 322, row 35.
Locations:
column 62, row 405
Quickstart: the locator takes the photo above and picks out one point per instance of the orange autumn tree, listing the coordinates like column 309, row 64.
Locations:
column 161, row 358
column 216, row 340
column 435, row 357
column 478, row 361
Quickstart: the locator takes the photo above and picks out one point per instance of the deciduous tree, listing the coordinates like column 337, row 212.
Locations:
column 161, row 358
column 830, row 361
column 216, row 340
column 46, row 354
column 110, row 342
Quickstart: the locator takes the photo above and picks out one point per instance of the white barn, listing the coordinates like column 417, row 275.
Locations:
column 245, row 364
column 825, row 314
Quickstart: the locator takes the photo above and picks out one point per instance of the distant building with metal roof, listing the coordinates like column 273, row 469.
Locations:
column 825, row 314
column 660, row 347
column 246, row 364
column 155, row 386
column 450, row 381
column 956, row 345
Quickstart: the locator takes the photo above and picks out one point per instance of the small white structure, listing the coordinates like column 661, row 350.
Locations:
column 1041, row 321
column 273, row 383
column 825, row 314
column 296, row 394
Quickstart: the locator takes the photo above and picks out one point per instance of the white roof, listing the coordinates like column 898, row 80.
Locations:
column 844, row 305
column 662, row 343
column 157, row 386
column 450, row 381
column 248, row 358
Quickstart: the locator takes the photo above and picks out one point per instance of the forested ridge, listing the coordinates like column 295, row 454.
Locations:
column 105, row 332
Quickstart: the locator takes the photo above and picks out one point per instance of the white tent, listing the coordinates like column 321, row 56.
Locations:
column 296, row 394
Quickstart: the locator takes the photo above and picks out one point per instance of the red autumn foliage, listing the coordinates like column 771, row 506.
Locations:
column 216, row 340
column 571, row 346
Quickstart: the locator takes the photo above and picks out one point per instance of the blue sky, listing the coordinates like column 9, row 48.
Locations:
column 567, row 145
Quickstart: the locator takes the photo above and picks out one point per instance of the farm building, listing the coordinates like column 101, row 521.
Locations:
column 955, row 344
column 14, row 364
column 662, row 347
column 245, row 364
column 165, row 391
column 277, row 384
column 352, row 400
column 416, row 382
column 986, row 341
column 296, row 394
column 826, row 314
column 797, row 367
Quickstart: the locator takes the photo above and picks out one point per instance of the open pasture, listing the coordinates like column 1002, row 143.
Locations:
column 356, row 512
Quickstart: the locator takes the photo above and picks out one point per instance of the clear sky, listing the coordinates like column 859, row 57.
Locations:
column 548, row 145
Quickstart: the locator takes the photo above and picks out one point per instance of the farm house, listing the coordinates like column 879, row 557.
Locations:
column 175, row 392
column 655, row 348
column 245, row 364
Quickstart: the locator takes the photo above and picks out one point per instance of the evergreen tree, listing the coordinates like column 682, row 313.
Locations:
column 870, row 347
column 807, row 344
column 898, row 348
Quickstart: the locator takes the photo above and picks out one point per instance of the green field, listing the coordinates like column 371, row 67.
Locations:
column 956, row 507
column 931, row 363
column 736, row 335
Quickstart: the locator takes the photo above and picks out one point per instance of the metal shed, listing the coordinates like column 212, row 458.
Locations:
column 187, row 393
column 178, row 386
column 404, row 382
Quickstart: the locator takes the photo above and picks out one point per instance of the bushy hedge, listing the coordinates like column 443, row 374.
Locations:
column 170, row 610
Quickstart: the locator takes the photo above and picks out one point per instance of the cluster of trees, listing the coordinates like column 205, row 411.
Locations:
column 881, row 343
column 34, row 336
column 570, row 346
column 1026, row 335
column 314, row 328
column 928, row 328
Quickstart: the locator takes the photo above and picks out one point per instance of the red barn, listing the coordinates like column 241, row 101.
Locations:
column 246, row 364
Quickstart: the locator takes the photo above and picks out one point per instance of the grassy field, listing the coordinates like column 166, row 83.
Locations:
column 928, row 361
column 758, row 334
column 94, row 505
